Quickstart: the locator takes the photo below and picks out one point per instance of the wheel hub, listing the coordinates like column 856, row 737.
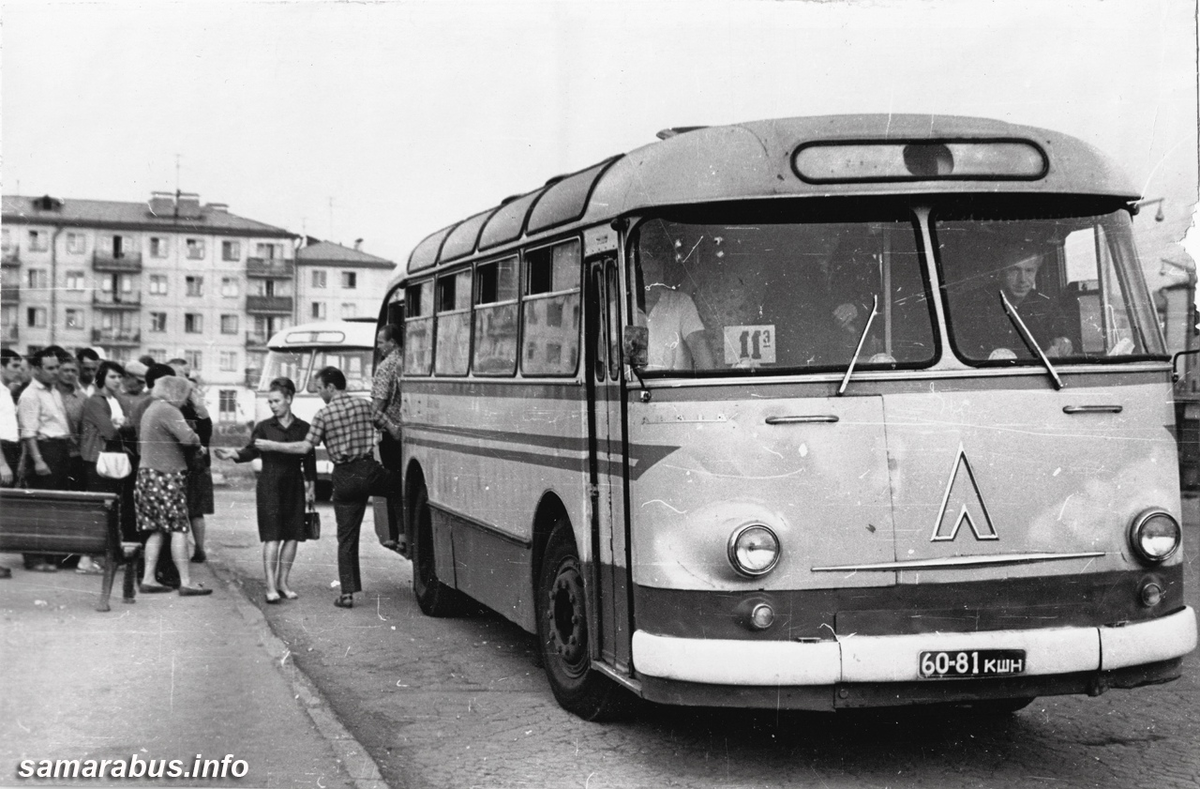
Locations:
column 568, row 620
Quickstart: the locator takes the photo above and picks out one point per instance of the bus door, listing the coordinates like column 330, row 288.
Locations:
column 609, row 590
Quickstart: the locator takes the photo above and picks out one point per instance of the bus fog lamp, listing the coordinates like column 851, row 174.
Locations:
column 753, row 550
column 762, row 617
column 1154, row 536
column 1151, row 594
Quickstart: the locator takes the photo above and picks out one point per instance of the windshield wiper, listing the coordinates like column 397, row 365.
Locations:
column 1028, row 337
column 858, row 349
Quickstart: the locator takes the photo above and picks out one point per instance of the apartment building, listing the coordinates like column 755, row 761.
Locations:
column 170, row 278
column 335, row 282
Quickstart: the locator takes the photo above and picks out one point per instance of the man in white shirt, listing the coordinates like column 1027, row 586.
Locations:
column 45, row 432
column 676, row 333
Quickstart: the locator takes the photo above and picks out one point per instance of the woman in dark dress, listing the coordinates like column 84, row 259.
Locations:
column 286, row 485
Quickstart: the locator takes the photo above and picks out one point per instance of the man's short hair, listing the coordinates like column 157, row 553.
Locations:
column 86, row 353
column 45, row 353
column 7, row 355
column 282, row 384
column 158, row 371
column 147, row 360
column 391, row 332
column 332, row 376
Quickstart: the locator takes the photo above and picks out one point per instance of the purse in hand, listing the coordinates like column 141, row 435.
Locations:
column 113, row 465
column 312, row 525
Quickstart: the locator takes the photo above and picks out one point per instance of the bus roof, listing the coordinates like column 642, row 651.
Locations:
column 348, row 334
column 760, row 160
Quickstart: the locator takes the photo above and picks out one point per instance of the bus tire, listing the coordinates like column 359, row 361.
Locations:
column 433, row 597
column 564, row 638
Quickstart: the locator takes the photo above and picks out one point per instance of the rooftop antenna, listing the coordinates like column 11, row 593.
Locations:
column 331, row 217
column 177, row 189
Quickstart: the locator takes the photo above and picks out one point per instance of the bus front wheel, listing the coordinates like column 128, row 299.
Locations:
column 433, row 597
column 564, row 637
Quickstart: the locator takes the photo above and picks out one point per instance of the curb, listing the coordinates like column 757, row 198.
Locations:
column 356, row 763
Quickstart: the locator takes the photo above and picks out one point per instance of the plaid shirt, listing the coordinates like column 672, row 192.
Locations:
column 345, row 427
column 386, row 387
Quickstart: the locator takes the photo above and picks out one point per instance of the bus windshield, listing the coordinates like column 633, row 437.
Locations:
column 300, row 364
column 1074, row 281
column 782, row 296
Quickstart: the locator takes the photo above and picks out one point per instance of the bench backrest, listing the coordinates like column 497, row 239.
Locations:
column 57, row 521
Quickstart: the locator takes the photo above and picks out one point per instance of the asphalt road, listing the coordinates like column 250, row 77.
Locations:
column 441, row 703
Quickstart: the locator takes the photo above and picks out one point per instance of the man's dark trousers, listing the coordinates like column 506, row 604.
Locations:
column 353, row 485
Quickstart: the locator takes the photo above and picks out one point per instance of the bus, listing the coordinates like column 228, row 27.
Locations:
column 300, row 351
column 809, row 413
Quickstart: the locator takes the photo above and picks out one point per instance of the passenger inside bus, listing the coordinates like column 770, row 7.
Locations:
column 677, row 338
column 983, row 329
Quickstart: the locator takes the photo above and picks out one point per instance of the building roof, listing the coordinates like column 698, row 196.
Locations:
column 327, row 253
column 70, row 212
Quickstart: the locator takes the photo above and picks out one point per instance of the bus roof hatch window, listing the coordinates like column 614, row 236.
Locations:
column 926, row 160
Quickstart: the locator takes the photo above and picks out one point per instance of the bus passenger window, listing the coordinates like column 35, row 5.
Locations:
column 453, row 340
column 418, row 328
column 495, row 346
column 552, row 310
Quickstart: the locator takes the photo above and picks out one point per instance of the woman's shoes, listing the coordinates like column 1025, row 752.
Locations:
column 273, row 598
column 193, row 591
column 288, row 594
column 91, row 569
column 344, row 601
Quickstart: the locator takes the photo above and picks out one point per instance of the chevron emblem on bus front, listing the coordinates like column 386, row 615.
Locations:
column 962, row 503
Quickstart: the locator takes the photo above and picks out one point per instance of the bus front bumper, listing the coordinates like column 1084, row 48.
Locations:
column 668, row 666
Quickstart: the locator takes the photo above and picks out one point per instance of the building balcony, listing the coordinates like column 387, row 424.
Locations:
column 256, row 341
column 129, row 263
column 270, row 268
column 273, row 305
column 10, row 333
column 10, row 294
column 11, row 257
column 117, row 301
column 116, row 336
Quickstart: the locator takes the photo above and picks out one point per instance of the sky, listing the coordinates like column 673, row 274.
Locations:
column 386, row 121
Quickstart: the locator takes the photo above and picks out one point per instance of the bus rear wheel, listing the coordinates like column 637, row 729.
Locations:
column 564, row 638
column 433, row 597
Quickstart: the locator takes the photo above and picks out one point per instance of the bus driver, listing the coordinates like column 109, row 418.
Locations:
column 984, row 328
column 676, row 333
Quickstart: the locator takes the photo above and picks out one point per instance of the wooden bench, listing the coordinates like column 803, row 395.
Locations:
column 67, row 522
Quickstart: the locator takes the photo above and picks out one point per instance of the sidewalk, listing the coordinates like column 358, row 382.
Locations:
column 164, row 678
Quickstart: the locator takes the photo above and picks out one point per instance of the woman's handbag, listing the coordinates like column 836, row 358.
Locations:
column 312, row 525
column 113, row 465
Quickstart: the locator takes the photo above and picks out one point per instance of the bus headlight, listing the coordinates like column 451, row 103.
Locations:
column 1154, row 536
column 753, row 549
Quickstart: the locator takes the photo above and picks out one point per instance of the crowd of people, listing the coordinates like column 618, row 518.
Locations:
column 67, row 413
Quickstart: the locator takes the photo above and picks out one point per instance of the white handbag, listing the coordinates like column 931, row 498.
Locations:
column 113, row 465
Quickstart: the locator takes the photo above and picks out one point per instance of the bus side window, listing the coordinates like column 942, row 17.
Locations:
column 452, row 341
column 495, row 349
column 418, row 329
column 550, row 328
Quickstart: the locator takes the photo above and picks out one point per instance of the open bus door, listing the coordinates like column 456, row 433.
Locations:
column 608, row 601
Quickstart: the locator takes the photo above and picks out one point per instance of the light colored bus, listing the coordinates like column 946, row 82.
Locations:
column 299, row 352
column 814, row 413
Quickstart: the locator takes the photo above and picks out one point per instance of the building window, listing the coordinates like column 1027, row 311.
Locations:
column 349, row 280
column 6, row 241
column 74, row 280
column 229, row 324
column 231, row 250
column 195, row 248
column 229, row 286
column 74, row 319
column 39, row 240
column 193, row 323
column 158, row 322
column 228, row 361
column 195, row 286
column 39, row 279
column 158, row 246
column 158, row 284
column 268, row 251
column 35, row 317
column 194, row 359
column 349, row 310
column 157, row 353
column 227, row 405
column 318, row 310
column 75, row 242
column 318, row 279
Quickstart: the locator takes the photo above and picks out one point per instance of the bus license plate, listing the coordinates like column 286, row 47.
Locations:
column 974, row 663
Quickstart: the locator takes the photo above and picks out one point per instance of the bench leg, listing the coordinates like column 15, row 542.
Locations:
column 110, row 570
column 131, row 551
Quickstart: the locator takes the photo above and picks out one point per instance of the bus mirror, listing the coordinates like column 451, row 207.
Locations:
column 636, row 345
